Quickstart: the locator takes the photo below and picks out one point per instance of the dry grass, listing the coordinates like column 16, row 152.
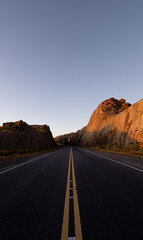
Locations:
column 22, row 153
column 132, row 150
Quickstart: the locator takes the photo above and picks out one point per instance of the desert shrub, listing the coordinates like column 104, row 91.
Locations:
column 6, row 153
column 133, row 147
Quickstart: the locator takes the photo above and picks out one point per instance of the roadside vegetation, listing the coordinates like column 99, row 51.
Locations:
column 4, row 154
column 132, row 150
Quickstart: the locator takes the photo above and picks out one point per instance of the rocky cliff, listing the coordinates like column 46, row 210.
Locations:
column 16, row 136
column 114, row 121
column 64, row 139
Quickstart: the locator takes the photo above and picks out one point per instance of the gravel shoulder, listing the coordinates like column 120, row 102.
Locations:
column 136, row 162
column 11, row 162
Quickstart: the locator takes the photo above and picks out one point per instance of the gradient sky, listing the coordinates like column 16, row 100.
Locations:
column 59, row 59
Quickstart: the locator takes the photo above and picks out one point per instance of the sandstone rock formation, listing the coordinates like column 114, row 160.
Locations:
column 64, row 139
column 114, row 121
column 104, row 113
column 16, row 136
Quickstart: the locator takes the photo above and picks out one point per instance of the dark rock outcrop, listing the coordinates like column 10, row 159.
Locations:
column 19, row 136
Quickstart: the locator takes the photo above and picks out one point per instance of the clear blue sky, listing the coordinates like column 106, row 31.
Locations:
column 59, row 59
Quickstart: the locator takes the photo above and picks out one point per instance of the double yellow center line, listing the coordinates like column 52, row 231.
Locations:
column 77, row 222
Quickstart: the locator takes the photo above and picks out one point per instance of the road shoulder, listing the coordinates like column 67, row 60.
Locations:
column 135, row 162
column 12, row 162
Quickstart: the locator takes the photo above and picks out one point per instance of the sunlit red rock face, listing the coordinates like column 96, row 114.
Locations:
column 19, row 135
column 114, row 121
column 105, row 113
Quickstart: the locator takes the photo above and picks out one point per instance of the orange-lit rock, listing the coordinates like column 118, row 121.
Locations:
column 114, row 121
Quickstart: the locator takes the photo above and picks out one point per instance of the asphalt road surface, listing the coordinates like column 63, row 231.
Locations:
column 71, row 194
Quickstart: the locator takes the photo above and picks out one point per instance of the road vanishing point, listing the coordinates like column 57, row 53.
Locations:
column 71, row 194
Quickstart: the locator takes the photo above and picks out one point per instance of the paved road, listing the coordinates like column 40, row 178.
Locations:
column 110, row 198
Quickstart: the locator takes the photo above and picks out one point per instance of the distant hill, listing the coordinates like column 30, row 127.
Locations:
column 64, row 139
column 16, row 136
column 113, row 122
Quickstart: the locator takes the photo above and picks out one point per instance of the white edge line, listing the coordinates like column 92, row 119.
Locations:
column 140, row 170
column 19, row 165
